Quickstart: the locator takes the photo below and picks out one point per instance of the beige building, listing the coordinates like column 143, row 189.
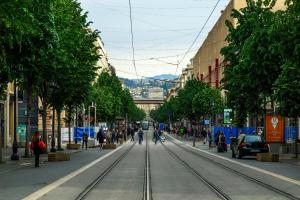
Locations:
column 187, row 74
column 148, row 104
column 208, row 63
column 155, row 93
column 103, row 61
column 7, row 116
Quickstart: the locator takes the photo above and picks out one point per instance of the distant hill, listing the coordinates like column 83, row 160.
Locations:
column 151, row 82
column 164, row 76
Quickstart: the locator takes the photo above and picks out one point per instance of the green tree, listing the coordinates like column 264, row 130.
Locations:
column 185, row 98
column 251, row 64
column 208, row 102
column 76, row 59
column 287, row 86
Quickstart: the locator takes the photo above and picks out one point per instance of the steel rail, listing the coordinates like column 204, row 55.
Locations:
column 96, row 181
column 247, row 177
column 147, row 193
column 211, row 186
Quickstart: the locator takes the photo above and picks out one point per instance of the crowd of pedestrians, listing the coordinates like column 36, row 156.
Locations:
column 205, row 135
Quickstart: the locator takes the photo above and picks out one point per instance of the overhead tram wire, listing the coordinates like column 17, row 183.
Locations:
column 194, row 41
column 132, row 44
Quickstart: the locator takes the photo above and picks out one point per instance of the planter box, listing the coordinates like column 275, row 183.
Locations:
column 109, row 146
column 267, row 157
column 73, row 146
column 58, row 156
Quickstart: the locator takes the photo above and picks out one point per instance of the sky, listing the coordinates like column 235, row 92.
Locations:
column 163, row 31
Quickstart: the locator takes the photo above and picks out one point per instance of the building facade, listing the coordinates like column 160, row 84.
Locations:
column 208, row 63
column 102, row 63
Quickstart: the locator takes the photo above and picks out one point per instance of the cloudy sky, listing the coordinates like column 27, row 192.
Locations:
column 163, row 31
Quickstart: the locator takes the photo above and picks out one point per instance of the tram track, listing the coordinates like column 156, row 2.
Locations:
column 99, row 178
column 147, row 193
column 222, row 195
column 236, row 172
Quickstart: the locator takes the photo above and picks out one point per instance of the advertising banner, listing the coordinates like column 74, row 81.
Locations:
column 274, row 128
column 21, row 132
column 65, row 134
column 228, row 116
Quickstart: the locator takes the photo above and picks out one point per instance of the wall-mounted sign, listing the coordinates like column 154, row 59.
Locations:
column 228, row 116
column 274, row 128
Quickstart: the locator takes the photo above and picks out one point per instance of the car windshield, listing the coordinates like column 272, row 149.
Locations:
column 253, row 138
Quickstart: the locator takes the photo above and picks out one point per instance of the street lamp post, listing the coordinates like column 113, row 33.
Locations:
column 15, row 155
column 92, row 106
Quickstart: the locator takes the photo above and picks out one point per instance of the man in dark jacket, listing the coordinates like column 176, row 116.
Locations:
column 100, row 138
column 84, row 140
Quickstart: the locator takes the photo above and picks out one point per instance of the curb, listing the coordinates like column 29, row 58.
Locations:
column 281, row 177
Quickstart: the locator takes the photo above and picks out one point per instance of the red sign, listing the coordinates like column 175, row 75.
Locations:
column 274, row 128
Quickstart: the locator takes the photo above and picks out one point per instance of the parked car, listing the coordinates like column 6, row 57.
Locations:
column 249, row 145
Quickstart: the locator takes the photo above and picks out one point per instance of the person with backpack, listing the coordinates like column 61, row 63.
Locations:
column 37, row 145
column 100, row 138
column 141, row 135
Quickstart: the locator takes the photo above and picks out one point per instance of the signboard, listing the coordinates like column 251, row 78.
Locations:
column 22, row 132
column 206, row 122
column 274, row 128
column 228, row 116
column 65, row 134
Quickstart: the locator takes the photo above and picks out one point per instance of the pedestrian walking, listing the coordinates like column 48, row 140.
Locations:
column 84, row 140
column 141, row 135
column 100, row 138
column 217, row 138
column 38, row 145
column 113, row 136
column 209, row 138
column 117, row 135
column 222, row 143
column 156, row 136
column 204, row 135
column 132, row 134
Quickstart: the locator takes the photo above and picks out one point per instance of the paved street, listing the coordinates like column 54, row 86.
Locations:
column 176, row 171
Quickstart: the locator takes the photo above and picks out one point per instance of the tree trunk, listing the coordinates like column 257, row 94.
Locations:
column 58, row 130
column 1, row 159
column 29, row 102
column 44, row 120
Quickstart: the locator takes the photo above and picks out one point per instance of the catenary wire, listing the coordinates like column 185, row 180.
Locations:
column 199, row 33
column 132, row 43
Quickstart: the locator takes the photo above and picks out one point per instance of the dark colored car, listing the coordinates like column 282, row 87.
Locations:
column 249, row 145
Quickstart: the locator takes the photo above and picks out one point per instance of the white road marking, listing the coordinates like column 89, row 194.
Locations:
column 41, row 192
column 287, row 179
column 25, row 164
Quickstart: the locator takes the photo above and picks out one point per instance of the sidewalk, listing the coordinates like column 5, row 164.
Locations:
column 287, row 165
column 26, row 178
